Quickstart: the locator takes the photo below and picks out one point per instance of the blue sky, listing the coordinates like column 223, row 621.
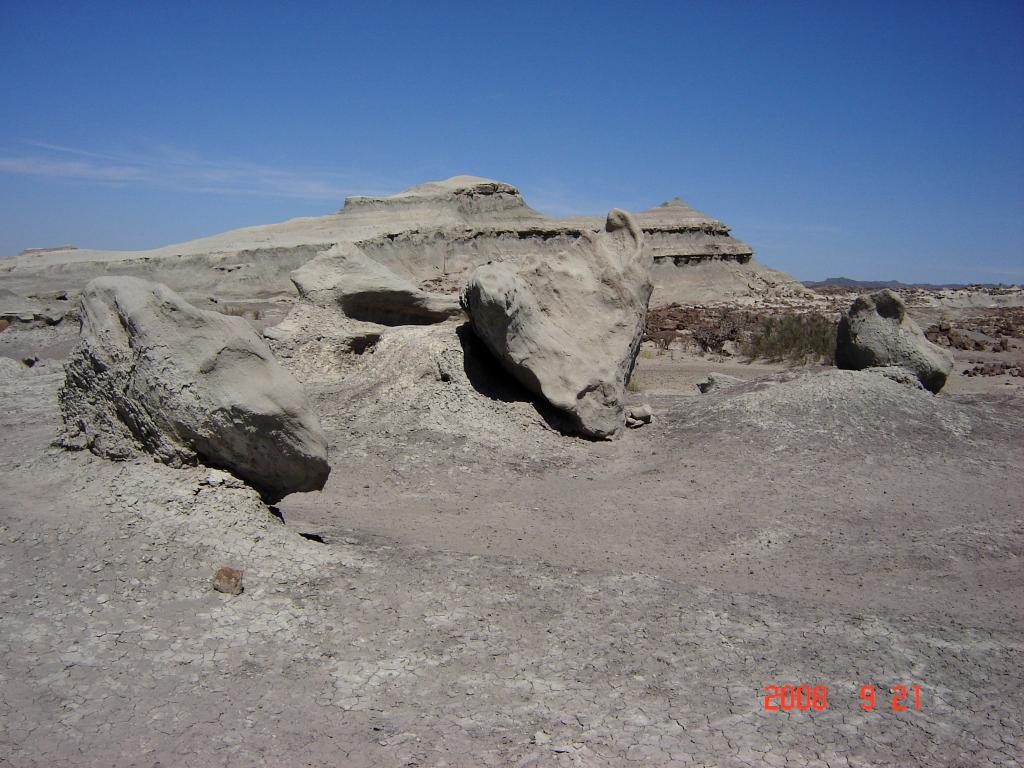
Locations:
column 872, row 140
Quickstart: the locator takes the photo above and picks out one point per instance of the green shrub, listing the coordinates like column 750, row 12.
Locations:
column 797, row 338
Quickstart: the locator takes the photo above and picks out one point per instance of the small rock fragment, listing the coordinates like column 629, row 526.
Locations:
column 717, row 381
column 228, row 580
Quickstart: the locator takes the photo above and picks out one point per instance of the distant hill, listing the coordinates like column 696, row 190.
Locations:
column 874, row 285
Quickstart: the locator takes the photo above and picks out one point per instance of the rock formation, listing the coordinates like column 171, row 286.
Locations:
column 679, row 234
column 15, row 308
column 876, row 332
column 345, row 278
column 569, row 328
column 432, row 235
column 153, row 373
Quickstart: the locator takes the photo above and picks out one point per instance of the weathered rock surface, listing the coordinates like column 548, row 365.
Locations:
column 876, row 332
column 433, row 235
column 493, row 596
column 569, row 327
column 11, row 369
column 715, row 382
column 153, row 373
column 638, row 416
column 15, row 308
column 899, row 375
column 345, row 278
column 388, row 389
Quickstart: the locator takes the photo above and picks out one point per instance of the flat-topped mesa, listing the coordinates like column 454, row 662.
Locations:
column 467, row 194
column 55, row 249
column 677, row 234
column 431, row 235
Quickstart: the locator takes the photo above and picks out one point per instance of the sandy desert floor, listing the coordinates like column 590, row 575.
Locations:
column 535, row 602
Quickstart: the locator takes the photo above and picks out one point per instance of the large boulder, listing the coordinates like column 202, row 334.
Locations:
column 876, row 332
column 569, row 327
column 153, row 373
column 345, row 278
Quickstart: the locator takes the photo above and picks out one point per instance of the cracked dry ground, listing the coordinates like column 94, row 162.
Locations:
column 399, row 642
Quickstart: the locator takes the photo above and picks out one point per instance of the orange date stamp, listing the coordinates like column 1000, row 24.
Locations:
column 784, row 698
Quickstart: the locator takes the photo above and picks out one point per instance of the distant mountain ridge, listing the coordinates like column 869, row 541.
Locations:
column 875, row 285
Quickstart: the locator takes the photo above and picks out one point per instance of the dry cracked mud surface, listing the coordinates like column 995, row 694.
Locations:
column 543, row 603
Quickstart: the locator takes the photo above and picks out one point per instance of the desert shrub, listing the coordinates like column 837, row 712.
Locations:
column 797, row 338
column 248, row 314
column 706, row 328
column 711, row 337
column 662, row 339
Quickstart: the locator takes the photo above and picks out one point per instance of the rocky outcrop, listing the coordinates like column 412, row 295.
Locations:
column 55, row 249
column 153, row 373
column 15, row 308
column 677, row 233
column 876, row 332
column 346, row 279
column 458, row 195
column 569, row 328
column 432, row 235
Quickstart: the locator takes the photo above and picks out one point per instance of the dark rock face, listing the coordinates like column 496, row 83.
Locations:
column 876, row 332
column 154, row 374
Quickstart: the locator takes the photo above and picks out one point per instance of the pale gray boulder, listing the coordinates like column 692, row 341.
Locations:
column 639, row 415
column 154, row 374
column 345, row 278
column 568, row 326
column 876, row 332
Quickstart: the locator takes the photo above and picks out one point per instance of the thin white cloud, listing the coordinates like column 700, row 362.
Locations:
column 168, row 167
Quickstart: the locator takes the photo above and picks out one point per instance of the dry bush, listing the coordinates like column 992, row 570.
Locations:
column 248, row 314
column 796, row 338
column 707, row 328
column 771, row 334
